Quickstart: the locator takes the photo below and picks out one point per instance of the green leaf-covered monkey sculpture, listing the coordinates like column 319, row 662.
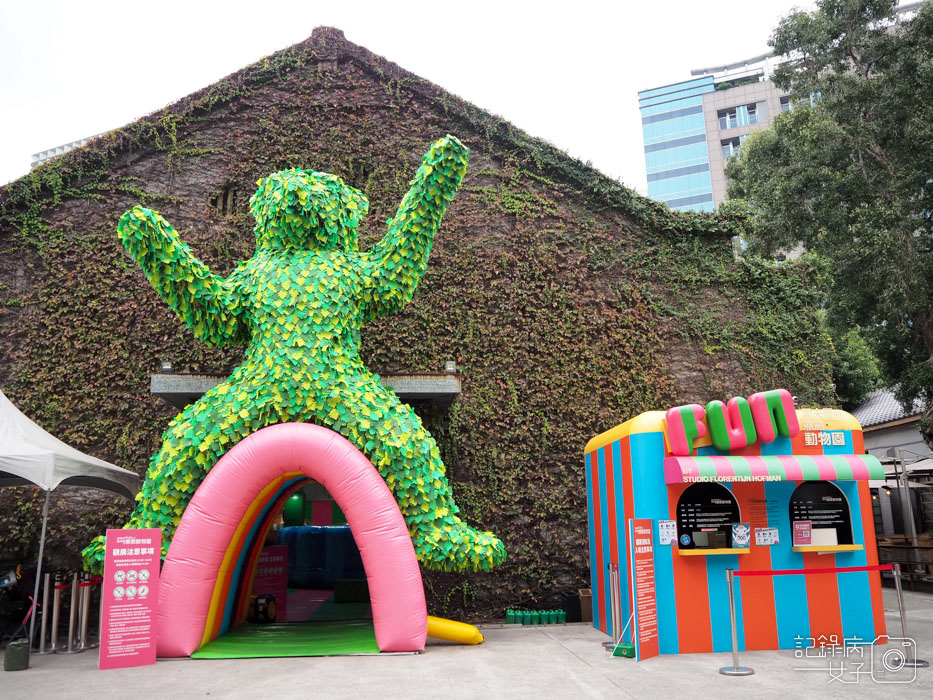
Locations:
column 299, row 304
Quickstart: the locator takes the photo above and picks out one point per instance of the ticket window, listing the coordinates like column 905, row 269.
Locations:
column 825, row 507
column 706, row 513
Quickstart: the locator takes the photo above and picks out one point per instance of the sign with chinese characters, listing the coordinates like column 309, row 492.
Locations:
column 824, row 438
column 766, row 536
column 271, row 578
column 643, row 598
column 667, row 531
column 802, row 533
column 130, row 594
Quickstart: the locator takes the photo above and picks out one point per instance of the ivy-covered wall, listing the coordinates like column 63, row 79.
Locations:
column 569, row 302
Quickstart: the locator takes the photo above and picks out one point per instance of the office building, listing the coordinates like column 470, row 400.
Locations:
column 691, row 128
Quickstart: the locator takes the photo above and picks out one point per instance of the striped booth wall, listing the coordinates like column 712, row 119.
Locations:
column 631, row 474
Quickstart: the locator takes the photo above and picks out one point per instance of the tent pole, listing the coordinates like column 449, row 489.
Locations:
column 35, row 594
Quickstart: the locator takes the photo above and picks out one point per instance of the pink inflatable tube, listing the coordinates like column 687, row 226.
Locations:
column 235, row 485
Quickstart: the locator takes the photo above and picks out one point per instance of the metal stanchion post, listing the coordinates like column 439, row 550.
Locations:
column 43, row 628
column 72, row 615
column 908, row 661
column 85, row 610
column 735, row 669
column 615, row 606
column 56, row 612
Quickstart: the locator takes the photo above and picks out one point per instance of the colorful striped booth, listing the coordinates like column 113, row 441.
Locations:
column 677, row 498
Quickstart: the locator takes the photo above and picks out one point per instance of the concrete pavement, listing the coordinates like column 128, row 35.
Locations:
column 514, row 662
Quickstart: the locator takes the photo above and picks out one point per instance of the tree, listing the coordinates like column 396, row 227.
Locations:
column 855, row 370
column 849, row 173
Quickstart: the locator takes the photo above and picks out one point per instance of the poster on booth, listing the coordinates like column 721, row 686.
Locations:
column 130, row 594
column 767, row 536
column 271, row 578
column 667, row 531
column 803, row 532
column 644, row 603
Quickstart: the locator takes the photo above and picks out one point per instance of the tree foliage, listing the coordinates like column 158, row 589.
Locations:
column 848, row 172
column 855, row 370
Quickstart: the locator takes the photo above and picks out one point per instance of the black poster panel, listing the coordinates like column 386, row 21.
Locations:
column 705, row 514
column 824, row 504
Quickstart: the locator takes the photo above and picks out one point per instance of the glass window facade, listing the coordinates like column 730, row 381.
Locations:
column 676, row 154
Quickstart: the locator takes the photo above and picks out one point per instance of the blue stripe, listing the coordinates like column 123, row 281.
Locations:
column 790, row 592
column 647, row 450
column 604, row 518
column 845, row 449
column 621, row 529
column 779, row 446
column 590, row 521
column 719, row 618
column 236, row 580
column 855, row 604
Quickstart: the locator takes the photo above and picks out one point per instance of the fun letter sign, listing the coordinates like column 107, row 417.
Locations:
column 765, row 416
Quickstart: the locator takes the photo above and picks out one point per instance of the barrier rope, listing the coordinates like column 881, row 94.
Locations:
column 843, row 569
column 93, row 582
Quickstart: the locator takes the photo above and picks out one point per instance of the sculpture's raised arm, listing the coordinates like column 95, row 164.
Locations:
column 396, row 264
column 208, row 304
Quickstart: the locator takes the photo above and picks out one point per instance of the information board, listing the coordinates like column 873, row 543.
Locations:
column 825, row 506
column 644, row 603
column 705, row 514
column 130, row 594
column 271, row 578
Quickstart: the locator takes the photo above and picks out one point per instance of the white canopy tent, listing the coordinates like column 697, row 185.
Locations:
column 30, row 455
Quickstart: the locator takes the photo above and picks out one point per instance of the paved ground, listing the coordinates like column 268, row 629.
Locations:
column 540, row 662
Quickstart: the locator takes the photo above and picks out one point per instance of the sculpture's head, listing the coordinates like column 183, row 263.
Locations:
column 307, row 209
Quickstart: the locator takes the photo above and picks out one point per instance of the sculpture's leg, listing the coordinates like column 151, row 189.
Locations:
column 191, row 445
column 393, row 438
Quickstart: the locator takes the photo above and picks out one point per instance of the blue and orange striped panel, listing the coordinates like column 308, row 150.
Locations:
column 625, row 479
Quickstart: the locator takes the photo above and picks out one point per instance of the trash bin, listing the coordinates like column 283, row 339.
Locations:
column 586, row 605
column 16, row 657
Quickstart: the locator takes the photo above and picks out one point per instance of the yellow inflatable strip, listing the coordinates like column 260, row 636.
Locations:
column 453, row 631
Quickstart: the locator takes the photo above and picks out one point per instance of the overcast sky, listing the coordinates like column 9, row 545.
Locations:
column 569, row 74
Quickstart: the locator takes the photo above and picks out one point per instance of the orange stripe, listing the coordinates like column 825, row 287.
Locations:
column 759, row 618
column 694, row 633
column 598, row 521
column 858, row 443
column 823, row 601
column 612, row 506
column 871, row 555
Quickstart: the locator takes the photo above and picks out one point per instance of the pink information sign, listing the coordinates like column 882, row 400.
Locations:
column 271, row 578
column 130, row 593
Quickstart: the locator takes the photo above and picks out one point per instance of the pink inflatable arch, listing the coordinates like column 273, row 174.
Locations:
column 200, row 574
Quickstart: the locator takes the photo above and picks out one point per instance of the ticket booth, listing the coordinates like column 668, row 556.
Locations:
column 676, row 498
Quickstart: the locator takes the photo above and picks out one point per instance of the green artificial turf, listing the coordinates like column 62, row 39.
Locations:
column 332, row 638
